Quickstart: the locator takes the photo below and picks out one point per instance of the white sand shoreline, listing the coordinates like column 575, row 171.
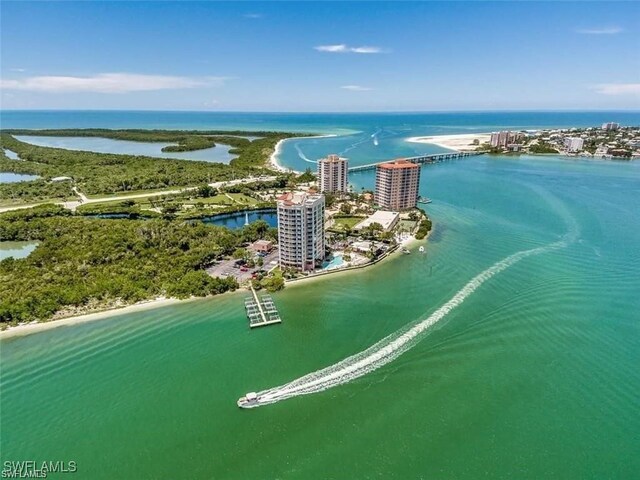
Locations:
column 37, row 327
column 29, row 328
column 274, row 160
column 458, row 142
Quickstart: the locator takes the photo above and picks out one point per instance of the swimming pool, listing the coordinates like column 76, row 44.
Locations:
column 335, row 262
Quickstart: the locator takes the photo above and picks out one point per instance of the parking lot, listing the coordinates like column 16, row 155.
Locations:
column 229, row 268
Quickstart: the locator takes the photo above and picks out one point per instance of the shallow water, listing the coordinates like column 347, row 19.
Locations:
column 11, row 155
column 16, row 249
column 219, row 153
column 534, row 375
column 7, row 177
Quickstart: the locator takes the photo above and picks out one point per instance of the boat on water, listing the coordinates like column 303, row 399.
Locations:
column 405, row 250
column 424, row 200
column 421, row 249
column 250, row 400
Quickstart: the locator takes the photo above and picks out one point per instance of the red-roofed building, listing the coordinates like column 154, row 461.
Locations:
column 397, row 185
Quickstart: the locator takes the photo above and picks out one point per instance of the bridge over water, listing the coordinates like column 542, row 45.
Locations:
column 420, row 159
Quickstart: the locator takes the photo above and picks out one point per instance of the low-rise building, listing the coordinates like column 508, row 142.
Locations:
column 386, row 219
column 261, row 246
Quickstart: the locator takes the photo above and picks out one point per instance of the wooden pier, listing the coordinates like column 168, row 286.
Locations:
column 261, row 311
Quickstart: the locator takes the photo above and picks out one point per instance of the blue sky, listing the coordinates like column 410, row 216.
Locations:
column 330, row 56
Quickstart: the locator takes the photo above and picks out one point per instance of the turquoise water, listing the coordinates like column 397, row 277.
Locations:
column 533, row 375
column 427, row 123
column 219, row 153
column 7, row 177
column 334, row 263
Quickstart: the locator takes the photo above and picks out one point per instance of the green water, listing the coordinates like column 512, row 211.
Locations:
column 536, row 375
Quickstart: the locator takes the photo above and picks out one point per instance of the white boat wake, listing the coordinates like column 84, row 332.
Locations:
column 303, row 156
column 394, row 345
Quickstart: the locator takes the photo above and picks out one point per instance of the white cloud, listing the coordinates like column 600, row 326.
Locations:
column 108, row 83
column 342, row 48
column 20, row 70
column 356, row 88
column 252, row 15
column 618, row 88
column 366, row 50
column 600, row 31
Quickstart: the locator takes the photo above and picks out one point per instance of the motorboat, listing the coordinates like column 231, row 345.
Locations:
column 421, row 249
column 405, row 250
column 250, row 400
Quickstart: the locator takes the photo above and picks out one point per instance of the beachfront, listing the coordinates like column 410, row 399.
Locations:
column 462, row 142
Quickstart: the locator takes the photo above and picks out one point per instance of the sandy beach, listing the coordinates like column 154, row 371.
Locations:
column 273, row 159
column 36, row 327
column 29, row 328
column 462, row 142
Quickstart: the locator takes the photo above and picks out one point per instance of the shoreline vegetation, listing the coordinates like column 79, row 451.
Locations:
column 274, row 161
column 32, row 327
column 93, row 263
column 106, row 174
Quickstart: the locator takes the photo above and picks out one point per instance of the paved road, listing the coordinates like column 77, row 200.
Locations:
column 72, row 205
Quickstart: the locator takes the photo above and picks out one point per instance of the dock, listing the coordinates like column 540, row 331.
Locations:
column 261, row 310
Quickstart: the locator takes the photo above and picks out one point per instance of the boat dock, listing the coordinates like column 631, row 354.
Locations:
column 261, row 310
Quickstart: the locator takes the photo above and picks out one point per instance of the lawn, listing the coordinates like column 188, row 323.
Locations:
column 343, row 223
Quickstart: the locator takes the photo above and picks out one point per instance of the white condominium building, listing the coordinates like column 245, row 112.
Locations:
column 333, row 174
column 573, row 144
column 301, row 230
column 610, row 126
column 504, row 138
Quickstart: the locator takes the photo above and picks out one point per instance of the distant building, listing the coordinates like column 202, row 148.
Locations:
column 610, row 126
column 301, row 230
column 573, row 144
column 397, row 185
column 504, row 138
column 601, row 151
column 333, row 174
column 387, row 220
